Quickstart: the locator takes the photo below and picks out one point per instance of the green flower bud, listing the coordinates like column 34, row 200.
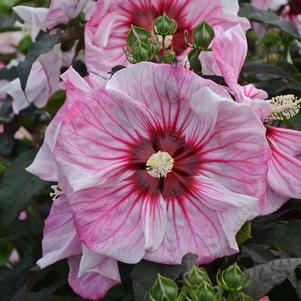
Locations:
column 164, row 26
column 206, row 292
column 137, row 34
column 164, row 289
column 153, row 48
column 137, row 53
column 195, row 277
column 169, row 57
column 203, row 35
column 233, row 279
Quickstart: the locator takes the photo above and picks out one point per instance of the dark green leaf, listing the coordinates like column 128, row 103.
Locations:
column 18, row 187
column 7, row 23
column 44, row 43
column 144, row 275
column 8, row 73
column 266, row 276
column 285, row 237
column 268, row 18
column 244, row 233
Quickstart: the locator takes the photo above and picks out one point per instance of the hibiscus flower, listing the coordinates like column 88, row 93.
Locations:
column 106, row 32
column 161, row 163
column 284, row 176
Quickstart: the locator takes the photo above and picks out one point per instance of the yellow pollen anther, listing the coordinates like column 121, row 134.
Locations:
column 159, row 164
column 284, row 107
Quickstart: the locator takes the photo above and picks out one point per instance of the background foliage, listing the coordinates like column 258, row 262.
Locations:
column 270, row 246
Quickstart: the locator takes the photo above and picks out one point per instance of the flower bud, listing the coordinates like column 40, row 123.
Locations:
column 139, row 52
column 206, row 292
column 203, row 35
column 232, row 279
column 169, row 57
column 195, row 277
column 239, row 297
column 164, row 289
column 164, row 26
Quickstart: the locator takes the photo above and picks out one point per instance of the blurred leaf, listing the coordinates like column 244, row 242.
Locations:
column 266, row 276
column 44, row 43
column 280, row 86
column 6, row 113
column 263, row 71
column 244, row 233
column 285, row 237
column 145, row 273
column 7, row 23
column 267, row 18
column 18, row 187
column 9, row 73
column 55, row 102
column 12, row 279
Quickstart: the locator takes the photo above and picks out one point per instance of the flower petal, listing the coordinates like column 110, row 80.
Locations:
column 289, row 141
column 169, row 94
column 204, row 222
column 35, row 16
column 105, row 216
column 44, row 165
column 94, row 284
column 60, row 238
column 95, row 139
column 153, row 218
column 284, row 174
column 236, row 156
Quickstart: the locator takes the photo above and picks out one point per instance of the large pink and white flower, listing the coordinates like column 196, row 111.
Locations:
column 162, row 163
column 284, row 175
column 106, row 32
column 43, row 80
column 91, row 275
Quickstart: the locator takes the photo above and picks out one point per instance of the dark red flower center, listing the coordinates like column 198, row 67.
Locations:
column 144, row 14
column 295, row 7
column 185, row 166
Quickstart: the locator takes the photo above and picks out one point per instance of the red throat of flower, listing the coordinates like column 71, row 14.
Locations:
column 164, row 164
column 144, row 17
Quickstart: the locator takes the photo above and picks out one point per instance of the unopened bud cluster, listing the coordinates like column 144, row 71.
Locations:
column 152, row 46
column 197, row 286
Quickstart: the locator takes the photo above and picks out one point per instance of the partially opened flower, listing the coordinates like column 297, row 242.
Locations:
column 44, row 164
column 42, row 82
column 60, row 12
column 284, row 176
column 91, row 275
column 162, row 163
column 106, row 32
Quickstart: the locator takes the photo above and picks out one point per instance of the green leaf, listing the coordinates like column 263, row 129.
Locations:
column 7, row 23
column 244, row 233
column 44, row 43
column 285, row 237
column 18, row 188
column 144, row 275
column 266, row 276
column 267, row 18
